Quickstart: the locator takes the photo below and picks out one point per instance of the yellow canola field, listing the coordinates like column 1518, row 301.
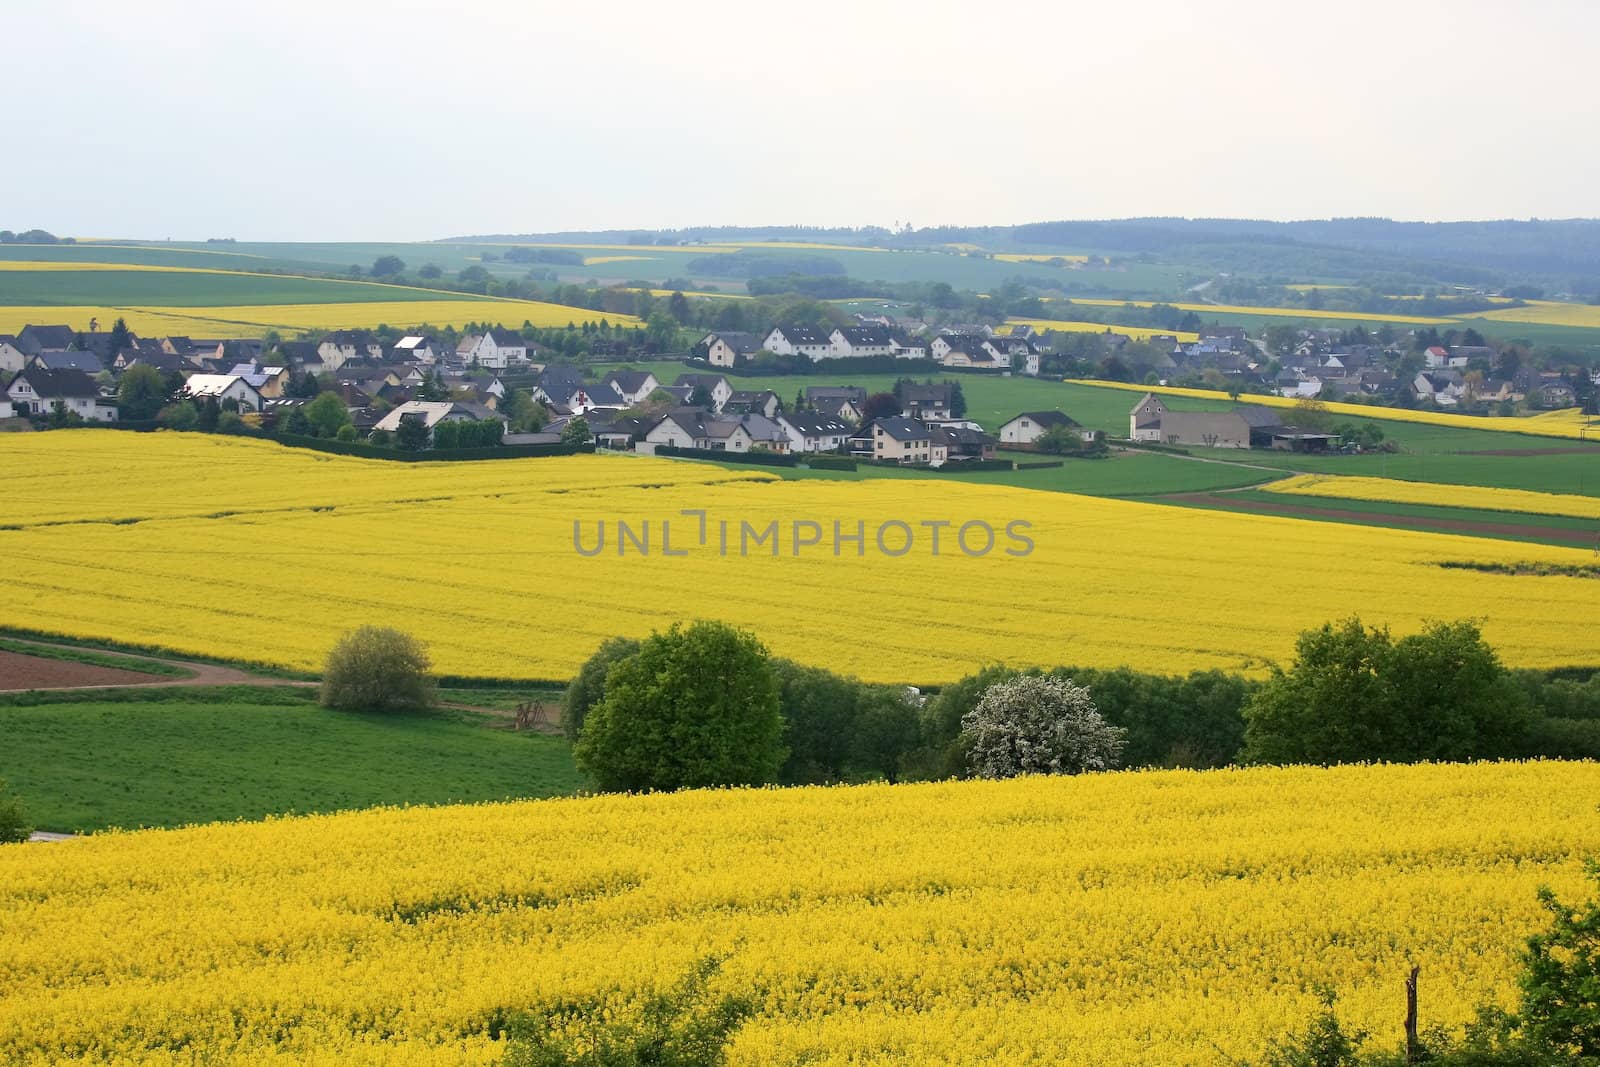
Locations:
column 591, row 261
column 1138, row 333
column 1568, row 422
column 251, row 320
column 245, row 553
column 1239, row 309
column 87, row 265
column 1166, row 917
column 1551, row 313
column 1477, row 497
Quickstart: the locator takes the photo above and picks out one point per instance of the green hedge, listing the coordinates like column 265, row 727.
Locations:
column 1041, row 466
column 765, row 459
column 831, row 463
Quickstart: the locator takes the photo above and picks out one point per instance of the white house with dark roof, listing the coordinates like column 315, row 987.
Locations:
column 812, row 431
column 716, row 387
column 632, row 385
column 342, row 346
column 224, row 387
column 12, row 358
column 812, row 342
column 1028, row 427
column 498, row 349
column 698, row 428
column 37, row 391
column 35, row 339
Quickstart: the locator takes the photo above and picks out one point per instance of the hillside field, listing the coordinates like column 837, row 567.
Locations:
column 480, row 560
column 1128, row 918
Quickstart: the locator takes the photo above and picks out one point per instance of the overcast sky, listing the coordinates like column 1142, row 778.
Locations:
column 406, row 120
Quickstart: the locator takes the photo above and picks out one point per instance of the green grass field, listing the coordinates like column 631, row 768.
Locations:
column 1124, row 474
column 193, row 758
column 153, row 288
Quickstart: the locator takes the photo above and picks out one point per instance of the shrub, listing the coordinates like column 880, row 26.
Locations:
column 1355, row 694
column 696, row 706
column 588, row 686
column 13, row 821
column 685, row 1026
column 1036, row 725
column 376, row 668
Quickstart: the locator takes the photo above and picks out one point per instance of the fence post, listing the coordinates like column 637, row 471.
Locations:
column 1413, row 1046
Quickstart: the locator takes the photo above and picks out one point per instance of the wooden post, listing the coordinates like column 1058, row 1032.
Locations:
column 1413, row 1046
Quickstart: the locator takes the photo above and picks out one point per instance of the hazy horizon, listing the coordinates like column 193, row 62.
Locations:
column 394, row 122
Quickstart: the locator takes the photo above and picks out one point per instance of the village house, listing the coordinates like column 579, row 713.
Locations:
column 1246, row 426
column 87, row 362
column 36, row 339
column 725, row 348
column 270, row 382
column 758, row 401
column 897, row 439
column 498, row 349
column 224, row 387
column 433, row 412
column 933, row 401
column 342, row 346
column 12, row 358
column 1438, row 358
column 1028, row 427
column 633, row 386
column 698, row 428
column 795, row 340
column 715, row 385
column 961, row 442
column 416, row 348
column 37, row 391
column 811, row 431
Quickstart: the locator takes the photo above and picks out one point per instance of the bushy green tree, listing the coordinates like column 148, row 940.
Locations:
column 13, row 821
column 588, row 686
column 375, row 668
column 576, row 432
column 412, row 434
column 1561, row 978
column 179, row 415
column 1355, row 694
column 819, row 709
column 141, row 393
column 327, row 414
column 696, row 706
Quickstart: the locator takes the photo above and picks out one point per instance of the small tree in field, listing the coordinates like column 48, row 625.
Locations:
column 1039, row 725
column 13, row 821
column 377, row 669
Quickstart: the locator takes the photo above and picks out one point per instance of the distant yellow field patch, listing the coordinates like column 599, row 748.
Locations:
column 1550, row 313
column 1307, row 287
column 615, row 248
column 1292, row 313
column 253, row 320
column 816, row 245
column 1476, row 497
column 1138, row 333
column 702, row 295
column 86, row 265
column 591, row 261
column 1568, row 422
column 1037, row 257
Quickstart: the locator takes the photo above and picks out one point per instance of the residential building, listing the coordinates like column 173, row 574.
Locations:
column 12, row 358
column 53, row 359
column 761, row 402
column 1028, row 427
column 342, row 346
column 699, row 428
column 812, row 342
column 632, row 385
column 930, row 401
column 725, row 348
column 498, row 349
column 716, row 387
column 37, row 391
column 224, row 387
column 811, row 431
column 36, row 339
column 897, row 439
column 433, row 412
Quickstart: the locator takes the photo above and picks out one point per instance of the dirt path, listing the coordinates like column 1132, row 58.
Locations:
column 1582, row 538
column 20, row 672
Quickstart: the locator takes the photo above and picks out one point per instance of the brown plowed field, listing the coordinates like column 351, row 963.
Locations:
column 37, row 672
column 1225, row 502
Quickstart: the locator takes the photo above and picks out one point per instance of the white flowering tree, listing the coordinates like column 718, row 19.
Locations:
column 1034, row 725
